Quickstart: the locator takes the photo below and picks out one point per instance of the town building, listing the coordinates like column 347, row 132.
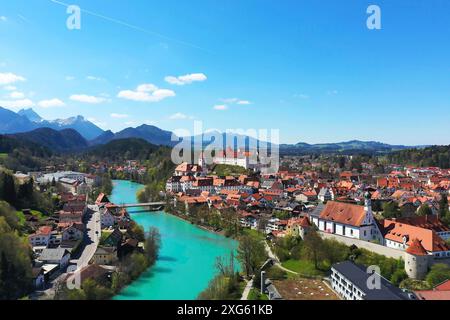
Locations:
column 352, row 282
column 349, row 220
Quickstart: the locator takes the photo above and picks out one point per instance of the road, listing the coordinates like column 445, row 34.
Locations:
column 89, row 246
column 91, row 238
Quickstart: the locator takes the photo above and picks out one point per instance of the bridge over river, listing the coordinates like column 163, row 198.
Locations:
column 151, row 206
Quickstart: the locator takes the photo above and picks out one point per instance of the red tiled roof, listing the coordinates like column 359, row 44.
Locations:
column 433, row 295
column 416, row 248
column 444, row 286
column 344, row 213
column 428, row 222
column 429, row 239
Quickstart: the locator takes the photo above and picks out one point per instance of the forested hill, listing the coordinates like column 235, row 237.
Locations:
column 123, row 149
column 436, row 156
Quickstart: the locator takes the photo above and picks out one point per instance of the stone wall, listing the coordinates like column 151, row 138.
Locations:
column 379, row 249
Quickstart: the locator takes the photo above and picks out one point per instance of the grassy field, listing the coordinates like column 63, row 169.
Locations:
column 255, row 295
column 303, row 267
column 3, row 155
column 228, row 170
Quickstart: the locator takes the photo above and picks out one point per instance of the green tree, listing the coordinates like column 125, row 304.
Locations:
column 313, row 246
column 391, row 210
column 7, row 212
column 251, row 254
column 443, row 207
column 152, row 245
column 438, row 274
column 398, row 276
column 425, row 210
column 7, row 188
column 15, row 264
column 225, row 285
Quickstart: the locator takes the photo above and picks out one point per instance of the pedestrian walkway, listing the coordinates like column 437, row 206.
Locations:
column 247, row 289
column 275, row 259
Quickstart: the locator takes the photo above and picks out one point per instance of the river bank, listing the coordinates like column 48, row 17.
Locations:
column 187, row 256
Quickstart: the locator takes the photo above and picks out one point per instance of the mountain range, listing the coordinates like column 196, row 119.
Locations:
column 27, row 119
column 151, row 134
column 77, row 133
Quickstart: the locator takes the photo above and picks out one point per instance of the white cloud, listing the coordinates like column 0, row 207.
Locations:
column 51, row 103
column 87, row 99
column 180, row 116
column 230, row 100
column 150, row 122
column 129, row 123
column 7, row 78
column 70, row 78
column 147, row 87
column 186, row 79
column 17, row 95
column 301, row 95
column 119, row 116
column 94, row 78
column 146, row 93
column 16, row 104
column 332, row 92
column 3, row 18
column 221, row 107
column 10, row 88
column 235, row 101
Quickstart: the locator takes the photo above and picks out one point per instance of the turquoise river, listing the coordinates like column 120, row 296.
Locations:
column 187, row 255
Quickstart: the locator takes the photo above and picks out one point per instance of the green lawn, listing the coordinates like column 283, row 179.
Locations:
column 255, row 294
column 3, row 155
column 228, row 170
column 303, row 267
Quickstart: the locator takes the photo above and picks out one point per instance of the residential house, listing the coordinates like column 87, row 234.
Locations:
column 73, row 232
column 325, row 195
column 41, row 237
column 306, row 196
column 298, row 227
column 105, row 256
column 107, row 219
column 58, row 256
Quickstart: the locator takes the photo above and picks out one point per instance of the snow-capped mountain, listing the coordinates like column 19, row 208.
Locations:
column 27, row 119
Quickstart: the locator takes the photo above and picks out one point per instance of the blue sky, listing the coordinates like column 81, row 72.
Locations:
column 309, row 68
